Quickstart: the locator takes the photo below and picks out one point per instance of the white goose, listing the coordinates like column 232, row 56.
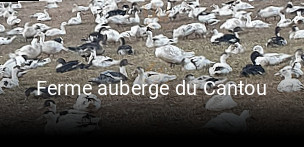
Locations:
column 229, row 123
column 239, row 5
column 15, row 31
column 193, row 28
column 232, row 23
column 77, row 8
column 151, row 77
column 13, row 19
column 221, row 102
column 299, row 18
column 224, row 11
column 269, row 58
column 154, row 4
column 222, row 67
column 295, row 65
column 11, row 82
column 255, row 23
column 289, row 84
column 158, row 41
column 172, row 54
column 196, row 63
column 51, row 46
column 201, row 81
column 296, row 33
column 32, row 51
column 270, row 11
column 75, row 20
column 101, row 61
column 284, row 22
column 2, row 28
column 236, row 48
column 55, row 31
column 29, row 31
column 290, row 8
column 17, row 6
column 40, row 14
column 6, row 41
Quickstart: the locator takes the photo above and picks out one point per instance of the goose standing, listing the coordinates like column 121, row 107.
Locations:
column 269, row 58
column 151, row 77
column 221, row 102
column 296, row 33
column 2, row 28
column 29, row 31
column 32, row 51
column 277, row 40
column 222, row 67
column 172, row 54
column 289, row 84
column 55, row 31
column 109, row 76
column 201, row 81
column 6, row 41
column 196, row 63
column 229, row 123
column 235, row 48
column 75, row 20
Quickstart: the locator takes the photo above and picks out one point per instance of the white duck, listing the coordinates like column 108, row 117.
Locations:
column 255, row 23
column 158, row 41
column 284, row 22
column 172, row 54
column 77, row 8
column 269, row 58
column 289, row 84
column 196, row 63
column 87, row 103
column 151, row 77
column 6, row 41
column 2, row 28
column 222, row 67
column 221, row 102
column 51, row 46
column 296, row 33
column 75, row 20
column 55, row 31
column 101, row 61
column 236, row 48
column 201, row 81
column 229, row 123
column 270, row 11
column 32, row 51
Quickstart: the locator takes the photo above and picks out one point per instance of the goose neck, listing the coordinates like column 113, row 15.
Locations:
column 122, row 69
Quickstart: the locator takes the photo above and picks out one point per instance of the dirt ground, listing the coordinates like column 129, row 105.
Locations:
column 273, row 114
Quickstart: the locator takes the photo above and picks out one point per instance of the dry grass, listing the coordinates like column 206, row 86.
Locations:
column 272, row 114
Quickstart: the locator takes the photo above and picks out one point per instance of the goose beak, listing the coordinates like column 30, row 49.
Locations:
column 277, row 74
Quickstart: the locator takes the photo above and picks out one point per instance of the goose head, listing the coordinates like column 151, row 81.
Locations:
column 294, row 29
column 299, row 54
column 189, row 77
column 259, row 49
column 30, row 90
column 277, row 31
column 284, row 72
column 124, row 62
column 289, row 5
column 64, row 23
column 61, row 61
column 255, row 55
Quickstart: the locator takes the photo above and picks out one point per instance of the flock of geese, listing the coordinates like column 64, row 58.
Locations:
column 106, row 12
